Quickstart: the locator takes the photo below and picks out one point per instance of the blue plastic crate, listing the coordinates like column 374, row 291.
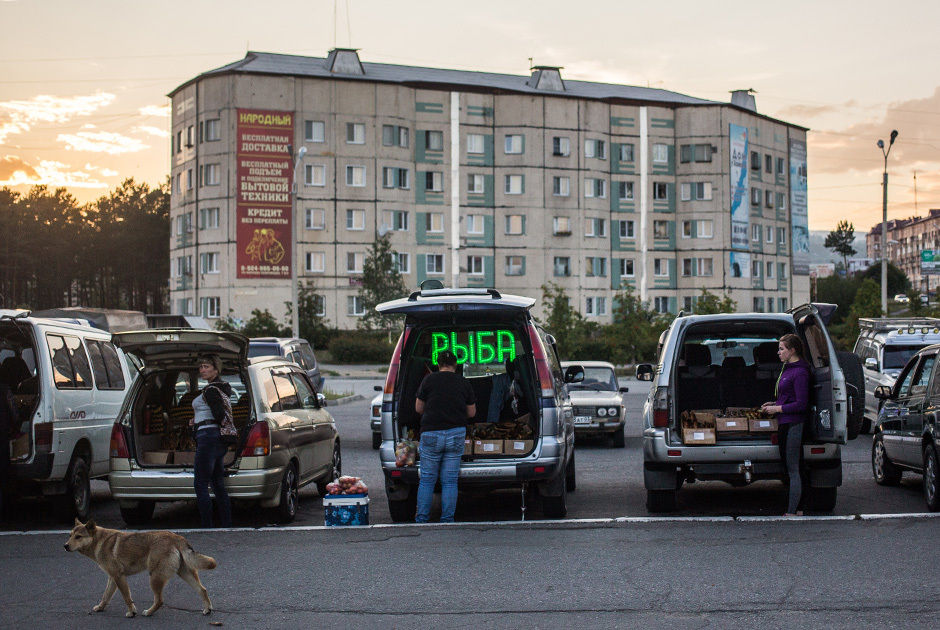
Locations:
column 345, row 509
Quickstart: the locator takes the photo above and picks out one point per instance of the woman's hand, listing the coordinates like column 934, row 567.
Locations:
column 771, row 409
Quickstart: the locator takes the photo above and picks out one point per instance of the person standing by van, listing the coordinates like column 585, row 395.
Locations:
column 208, row 413
column 791, row 410
column 445, row 401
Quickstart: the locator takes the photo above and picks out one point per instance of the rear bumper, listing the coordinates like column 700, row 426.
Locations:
column 39, row 468
column 597, row 428
column 178, row 486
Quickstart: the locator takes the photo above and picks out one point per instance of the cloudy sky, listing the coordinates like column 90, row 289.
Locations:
column 83, row 83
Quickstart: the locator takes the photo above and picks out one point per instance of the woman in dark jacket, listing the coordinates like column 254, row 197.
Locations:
column 208, row 412
column 791, row 410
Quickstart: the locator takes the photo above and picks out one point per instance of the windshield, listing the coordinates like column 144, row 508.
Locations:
column 598, row 379
column 263, row 350
column 897, row 357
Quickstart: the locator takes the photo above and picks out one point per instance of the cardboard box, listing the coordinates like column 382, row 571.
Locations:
column 19, row 446
column 762, row 425
column 468, row 446
column 714, row 412
column 698, row 436
column 487, row 447
column 517, row 447
column 158, row 457
column 340, row 510
column 726, row 424
column 184, row 458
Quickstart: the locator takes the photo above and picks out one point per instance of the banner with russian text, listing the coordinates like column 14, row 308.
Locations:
column 799, row 216
column 740, row 210
column 264, row 177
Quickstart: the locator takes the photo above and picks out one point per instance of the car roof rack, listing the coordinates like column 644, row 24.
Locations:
column 872, row 325
column 455, row 292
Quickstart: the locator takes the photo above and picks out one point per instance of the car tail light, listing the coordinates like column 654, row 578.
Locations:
column 661, row 408
column 541, row 364
column 376, row 411
column 395, row 473
column 118, row 443
column 258, row 442
column 392, row 376
column 539, row 470
column 675, row 453
column 43, row 436
column 817, row 450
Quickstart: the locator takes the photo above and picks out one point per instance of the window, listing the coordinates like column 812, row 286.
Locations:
column 781, row 236
column 395, row 178
column 209, row 262
column 755, row 196
column 770, row 270
column 695, row 153
column 315, row 262
column 355, row 133
column 356, row 176
column 211, row 174
column 661, row 304
column 626, row 153
column 314, row 131
column 184, row 265
column 769, row 198
column 394, row 136
column 780, row 167
column 660, row 229
column 314, row 219
column 561, row 186
column 595, row 266
column 189, row 179
column 770, row 305
column 561, row 226
column 781, row 201
column 515, row 224
column 474, row 183
column 475, row 143
column 178, row 187
column 434, row 263
column 698, row 191
column 475, row 224
column 106, row 364
column 688, row 304
column 434, row 140
column 70, row 366
column 561, row 146
column 782, row 269
column 397, row 220
column 687, row 267
column 755, row 268
column 513, row 144
column 595, row 306
column 661, row 191
column 354, row 306
column 661, row 267
column 686, row 229
column 562, row 265
column 475, row 265
column 768, row 234
column 782, row 302
column 705, row 267
column 660, row 153
column 402, row 261
column 627, row 269
column 314, row 175
column 355, row 219
column 210, row 306
column 515, row 265
column 768, row 164
column 354, row 262
column 212, row 131
column 705, row 228
column 755, row 233
column 595, row 149
column 595, row 228
column 755, row 161
column 434, row 222
column 625, row 190
column 179, row 141
column 758, row 305
column 595, row 188
column 434, row 181
column 189, row 136
column 627, row 229
column 184, row 223
column 209, row 219
column 514, row 185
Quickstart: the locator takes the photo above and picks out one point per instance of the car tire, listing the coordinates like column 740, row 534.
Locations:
column 571, row 481
column 661, row 501
column 140, row 515
column 336, row 469
column 821, row 499
column 286, row 510
column 555, row 507
column 931, row 478
column 76, row 501
column 851, row 365
column 376, row 440
column 404, row 510
column 620, row 440
column 884, row 472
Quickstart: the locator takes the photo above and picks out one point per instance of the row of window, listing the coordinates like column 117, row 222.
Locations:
column 209, row 131
column 769, row 197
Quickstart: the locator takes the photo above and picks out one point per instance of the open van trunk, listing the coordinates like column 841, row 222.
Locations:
column 18, row 371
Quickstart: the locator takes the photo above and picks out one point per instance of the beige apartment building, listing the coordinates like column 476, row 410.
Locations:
column 907, row 239
column 291, row 166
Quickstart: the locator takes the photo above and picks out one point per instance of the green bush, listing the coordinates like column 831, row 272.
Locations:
column 361, row 347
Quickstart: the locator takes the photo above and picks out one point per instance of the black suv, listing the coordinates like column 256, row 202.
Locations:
column 297, row 350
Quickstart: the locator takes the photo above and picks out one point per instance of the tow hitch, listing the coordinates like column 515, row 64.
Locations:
column 746, row 469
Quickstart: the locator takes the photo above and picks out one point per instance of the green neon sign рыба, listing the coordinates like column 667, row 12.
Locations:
column 482, row 346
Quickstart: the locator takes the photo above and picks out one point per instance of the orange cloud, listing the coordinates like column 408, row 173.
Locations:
column 12, row 168
column 17, row 172
column 20, row 116
column 101, row 142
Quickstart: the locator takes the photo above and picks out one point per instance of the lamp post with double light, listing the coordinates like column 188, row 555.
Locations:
column 884, row 224
column 295, row 308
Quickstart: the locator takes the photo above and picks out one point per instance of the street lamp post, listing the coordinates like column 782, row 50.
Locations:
column 884, row 225
column 295, row 308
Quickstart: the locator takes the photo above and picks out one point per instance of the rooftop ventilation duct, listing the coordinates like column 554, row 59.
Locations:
column 344, row 61
column 546, row 78
column 744, row 99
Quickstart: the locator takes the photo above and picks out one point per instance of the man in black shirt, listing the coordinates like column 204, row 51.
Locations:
column 445, row 400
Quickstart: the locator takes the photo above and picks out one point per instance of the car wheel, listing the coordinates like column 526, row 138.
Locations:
column 885, row 473
column 376, row 441
column 571, row 481
column 661, row 501
column 286, row 510
column 821, row 499
column 404, row 510
column 555, row 507
column 931, row 478
column 76, row 502
column 336, row 470
column 851, row 365
column 140, row 515
column 619, row 438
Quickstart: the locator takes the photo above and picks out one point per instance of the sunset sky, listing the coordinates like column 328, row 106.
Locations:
column 83, row 83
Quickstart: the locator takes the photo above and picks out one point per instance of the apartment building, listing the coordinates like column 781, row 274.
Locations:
column 907, row 240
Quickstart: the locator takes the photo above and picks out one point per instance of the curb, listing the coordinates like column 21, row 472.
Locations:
column 345, row 400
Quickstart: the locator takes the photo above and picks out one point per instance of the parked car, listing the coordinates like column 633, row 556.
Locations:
column 376, row 420
column 68, row 382
column 907, row 434
column 485, row 329
column 902, row 298
column 689, row 377
column 287, row 437
column 297, row 350
column 885, row 345
column 597, row 401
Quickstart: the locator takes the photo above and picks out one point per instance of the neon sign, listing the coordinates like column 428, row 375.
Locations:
column 482, row 346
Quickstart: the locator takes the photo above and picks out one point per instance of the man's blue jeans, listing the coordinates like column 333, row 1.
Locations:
column 440, row 458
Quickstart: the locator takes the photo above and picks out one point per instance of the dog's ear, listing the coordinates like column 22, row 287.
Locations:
column 78, row 523
column 90, row 526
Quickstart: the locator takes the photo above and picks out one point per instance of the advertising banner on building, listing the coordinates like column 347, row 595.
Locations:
column 740, row 210
column 799, row 218
column 264, row 177
column 930, row 262
column 740, row 265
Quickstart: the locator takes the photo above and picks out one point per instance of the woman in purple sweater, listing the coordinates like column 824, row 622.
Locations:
column 790, row 408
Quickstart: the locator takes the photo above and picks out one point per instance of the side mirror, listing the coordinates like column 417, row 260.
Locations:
column 871, row 363
column 574, row 374
column 321, row 399
column 377, row 388
column 883, row 392
column 644, row 372
column 624, row 390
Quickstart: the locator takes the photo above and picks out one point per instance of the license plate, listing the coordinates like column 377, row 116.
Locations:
column 582, row 419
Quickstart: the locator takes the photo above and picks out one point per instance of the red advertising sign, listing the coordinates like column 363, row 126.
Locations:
column 263, row 208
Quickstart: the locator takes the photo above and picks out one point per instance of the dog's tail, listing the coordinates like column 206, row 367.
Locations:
column 197, row 561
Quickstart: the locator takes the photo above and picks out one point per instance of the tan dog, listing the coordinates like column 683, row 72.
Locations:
column 120, row 554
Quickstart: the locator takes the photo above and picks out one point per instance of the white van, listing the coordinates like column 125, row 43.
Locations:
column 68, row 382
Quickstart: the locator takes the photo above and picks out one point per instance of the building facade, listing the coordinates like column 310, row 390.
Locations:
column 907, row 240
column 480, row 180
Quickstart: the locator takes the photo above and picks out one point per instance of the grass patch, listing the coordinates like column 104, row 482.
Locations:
column 331, row 395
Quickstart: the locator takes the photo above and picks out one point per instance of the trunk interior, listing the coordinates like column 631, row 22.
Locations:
column 18, row 372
